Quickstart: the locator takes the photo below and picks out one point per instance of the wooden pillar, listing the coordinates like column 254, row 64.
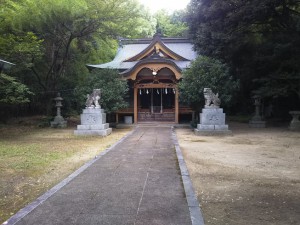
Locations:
column 135, row 107
column 117, row 118
column 161, row 100
column 152, row 89
column 176, row 105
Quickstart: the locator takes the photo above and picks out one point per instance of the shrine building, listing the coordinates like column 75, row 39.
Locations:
column 153, row 69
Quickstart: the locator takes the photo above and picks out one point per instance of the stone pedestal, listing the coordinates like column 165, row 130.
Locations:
column 58, row 122
column 257, row 122
column 295, row 123
column 93, row 122
column 212, row 122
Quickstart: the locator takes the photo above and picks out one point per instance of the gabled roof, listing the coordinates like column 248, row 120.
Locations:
column 153, row 59
column 132, row 51
column 156, row 46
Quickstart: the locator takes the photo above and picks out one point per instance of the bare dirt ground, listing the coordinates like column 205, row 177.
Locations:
column 250, row 178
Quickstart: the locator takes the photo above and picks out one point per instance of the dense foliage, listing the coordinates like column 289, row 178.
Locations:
column 207, row 72
column 258, row 39
column 171, row 25
column 113, row 89
column 51, row 41
column 12, row 91
column 63, row 27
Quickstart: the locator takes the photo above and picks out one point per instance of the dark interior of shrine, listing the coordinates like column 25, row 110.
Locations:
column 159, row 98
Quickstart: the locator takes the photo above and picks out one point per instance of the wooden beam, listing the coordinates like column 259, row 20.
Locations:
column 117, row 118
column 176, row 105
column 159, row 85
column 135, row 93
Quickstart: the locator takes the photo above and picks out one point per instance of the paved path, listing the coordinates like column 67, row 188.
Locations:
column 138, row 182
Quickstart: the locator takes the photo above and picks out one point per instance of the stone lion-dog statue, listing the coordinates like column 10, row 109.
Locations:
column 211, row 100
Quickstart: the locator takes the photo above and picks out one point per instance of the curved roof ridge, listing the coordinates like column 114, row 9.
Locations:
column 151, row 47
column 175, row 47
column 149, row 40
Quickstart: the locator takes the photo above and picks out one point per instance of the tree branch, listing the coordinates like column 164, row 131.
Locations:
column 38, row 79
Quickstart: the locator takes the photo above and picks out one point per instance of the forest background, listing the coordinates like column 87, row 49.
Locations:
column 246, row 48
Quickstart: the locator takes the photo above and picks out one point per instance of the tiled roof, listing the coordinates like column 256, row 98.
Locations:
column 132, row 47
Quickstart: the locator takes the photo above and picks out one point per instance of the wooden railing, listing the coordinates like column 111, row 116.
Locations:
column 126, row 110
column 147, row 116
column 185, row 110
column 182, row 110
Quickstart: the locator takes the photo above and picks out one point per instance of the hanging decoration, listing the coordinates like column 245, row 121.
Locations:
column 140, row 91
column 166, row 90
column 147, row 91
column 174, row 91
column 157, row 91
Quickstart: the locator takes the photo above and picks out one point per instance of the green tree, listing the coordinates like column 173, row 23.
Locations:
column 51, row 41
column 20, row 47
column 146, row 24
column 13, row 92
column 206, row 72
column 171, row 25
column 60, row 23
column 113, row 89
column 258, row 39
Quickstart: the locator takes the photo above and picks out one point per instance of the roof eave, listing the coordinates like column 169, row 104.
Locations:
column 149, row 61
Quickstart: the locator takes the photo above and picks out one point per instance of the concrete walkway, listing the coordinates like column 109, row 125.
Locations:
column 137, row 182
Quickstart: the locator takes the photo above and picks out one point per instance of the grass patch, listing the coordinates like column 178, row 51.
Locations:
column 26, row 156
column 33, row 159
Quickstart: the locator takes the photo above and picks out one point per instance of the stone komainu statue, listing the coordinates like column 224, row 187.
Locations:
column 92, row 100
column 211, row 100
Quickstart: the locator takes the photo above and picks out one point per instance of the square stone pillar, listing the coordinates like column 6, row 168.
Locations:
column 93, row 122
column 212, row 122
